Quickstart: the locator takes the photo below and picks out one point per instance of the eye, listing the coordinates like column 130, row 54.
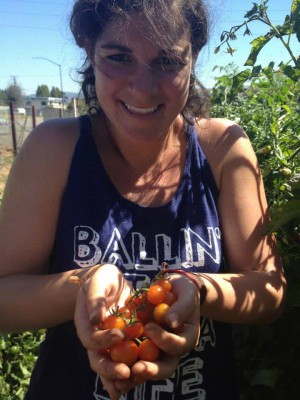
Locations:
column 171, row 64
column 119, row 58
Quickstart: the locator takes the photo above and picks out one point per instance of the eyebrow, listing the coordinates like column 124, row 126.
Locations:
column 114, row 46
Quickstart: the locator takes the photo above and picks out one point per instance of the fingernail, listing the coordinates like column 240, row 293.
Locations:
column 116, row 336
column 173, row 319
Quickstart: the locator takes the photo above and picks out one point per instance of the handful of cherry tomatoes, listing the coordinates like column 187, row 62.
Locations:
column 148, row 304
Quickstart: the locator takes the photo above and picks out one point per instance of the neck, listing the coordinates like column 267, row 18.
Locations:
column 139, row 154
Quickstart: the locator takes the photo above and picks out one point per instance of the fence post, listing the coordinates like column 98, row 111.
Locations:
column 33, row 116
column 13, row 126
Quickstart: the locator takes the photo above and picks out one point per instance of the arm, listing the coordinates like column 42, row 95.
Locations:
column 30, row 299
column 253, row 290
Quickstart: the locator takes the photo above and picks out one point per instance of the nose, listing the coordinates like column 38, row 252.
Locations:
column 144, row 82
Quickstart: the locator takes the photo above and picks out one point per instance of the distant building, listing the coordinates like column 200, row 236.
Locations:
column 40, row 103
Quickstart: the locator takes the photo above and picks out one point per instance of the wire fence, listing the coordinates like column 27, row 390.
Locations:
column 15, row 125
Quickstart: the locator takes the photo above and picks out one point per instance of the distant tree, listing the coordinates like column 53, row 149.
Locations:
column 55, row 92
column 3, row 97
column 42, row 91
column 14, row 93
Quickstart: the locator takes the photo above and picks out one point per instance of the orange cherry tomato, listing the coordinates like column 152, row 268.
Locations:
column 160, row 312
column 125, row 312
column 165, row 283
column 134, row 329
column 113, row 321
column 148, row 351
column 125, row 352
column 156, row 294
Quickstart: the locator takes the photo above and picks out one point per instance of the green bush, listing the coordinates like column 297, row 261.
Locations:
column 18, row 354
column 265, row 102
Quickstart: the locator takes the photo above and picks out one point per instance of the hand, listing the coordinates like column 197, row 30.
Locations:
column 184, row 318
column 105, row 288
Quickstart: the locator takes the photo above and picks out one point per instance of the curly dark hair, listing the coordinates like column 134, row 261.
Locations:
column 89, row 18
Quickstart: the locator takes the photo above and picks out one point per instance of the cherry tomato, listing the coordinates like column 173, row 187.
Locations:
column 148, row 351
column 104, row 353
column 165, row 283
column 134, row 329
column 156, row 294
column 159, row 312
column 124, row 352
column 144, row 314
column 133, row 302
column 125, row 312
column 113, row 321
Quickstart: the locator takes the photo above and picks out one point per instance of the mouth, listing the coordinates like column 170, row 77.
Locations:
column 140, row 110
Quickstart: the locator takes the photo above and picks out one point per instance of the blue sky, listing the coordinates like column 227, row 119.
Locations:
column 39, row 28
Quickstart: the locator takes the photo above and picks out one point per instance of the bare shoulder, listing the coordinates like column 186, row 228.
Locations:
column 223, row 141
column 54, row 135
column 49, row 147
column 33, row 195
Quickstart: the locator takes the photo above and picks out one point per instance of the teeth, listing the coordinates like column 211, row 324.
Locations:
column 138, row 110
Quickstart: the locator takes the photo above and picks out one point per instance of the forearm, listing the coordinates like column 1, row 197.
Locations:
column 246, row 297
column 30, row 302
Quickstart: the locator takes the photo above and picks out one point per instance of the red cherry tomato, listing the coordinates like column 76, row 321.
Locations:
column 156, row 294
column 160, row 312
column 134, row 329
column 144, row 314
column 148, row 351
column 124, row 352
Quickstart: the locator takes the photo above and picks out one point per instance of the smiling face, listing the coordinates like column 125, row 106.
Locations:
column 141, row 86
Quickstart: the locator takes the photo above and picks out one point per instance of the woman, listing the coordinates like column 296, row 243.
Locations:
column 146, row 178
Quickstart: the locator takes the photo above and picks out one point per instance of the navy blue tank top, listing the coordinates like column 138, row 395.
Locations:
column 96, row 224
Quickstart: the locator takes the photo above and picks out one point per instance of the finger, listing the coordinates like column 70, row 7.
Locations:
column 109, row 386
column 106, row 368
column 158, row 370
column 96, row 299
column 105, row 289
column 90, row 337
column 176, row 344
column 187, row 302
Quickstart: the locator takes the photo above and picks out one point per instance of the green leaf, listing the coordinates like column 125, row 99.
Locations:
column 295, row 10
column 253, row 11
column 257, row 45
column 295, row 17
column 269, row 72
column 292, row 72
column 238, row 81
column 289, row 212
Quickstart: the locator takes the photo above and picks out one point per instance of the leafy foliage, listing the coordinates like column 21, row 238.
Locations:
column 18, row 354
column 265, row 101
column 42, row 91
